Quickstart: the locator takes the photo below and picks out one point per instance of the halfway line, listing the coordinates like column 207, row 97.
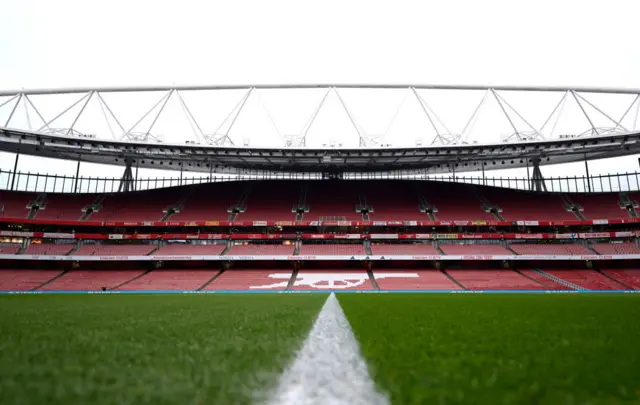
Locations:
column 328, row 369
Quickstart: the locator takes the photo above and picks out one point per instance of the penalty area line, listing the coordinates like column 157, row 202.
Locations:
column 329, row 368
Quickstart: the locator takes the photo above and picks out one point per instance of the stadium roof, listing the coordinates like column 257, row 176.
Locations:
column 441, row 159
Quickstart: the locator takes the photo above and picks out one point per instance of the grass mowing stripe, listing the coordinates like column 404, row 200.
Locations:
column 132, row 349
column 328, row 369
column 502, row 349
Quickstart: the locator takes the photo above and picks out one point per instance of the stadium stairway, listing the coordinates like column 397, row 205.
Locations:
column 95, row 206
column 293, row 278
column 211, row 280
column 373, row 279
column 456, row 282
column 629, row 205
column 144, row 273
column 534, row 280
column 51, row 280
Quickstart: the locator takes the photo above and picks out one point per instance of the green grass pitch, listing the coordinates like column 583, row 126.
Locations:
column 231, row 349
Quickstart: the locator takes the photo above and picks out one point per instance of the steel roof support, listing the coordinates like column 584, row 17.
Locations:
column 362, row 141
column 46, row 125
column 312, row 119
column 104, row 105
column 593, row 128
column 13, row 110
column 80, row 113
column 127, row 182
column 603, row 113
column 537, row 180
column 187, row 111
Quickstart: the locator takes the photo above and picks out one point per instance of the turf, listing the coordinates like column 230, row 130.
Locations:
column 148, row 349
column 500, row 349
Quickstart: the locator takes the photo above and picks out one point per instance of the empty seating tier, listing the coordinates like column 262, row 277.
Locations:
column 171, row 280
column 91, row 280
column 9, row 248
column 188, row 250
column 626, row 248
column 413, row 280
column 588, row 279
column 546, row 281
column 261, row 250
column 331, row 250
column 519, row 205
column 629, row 278
column 25, row 280
column 48, row 249
column 454, row 202
column 474, row 249
column 251, row 280
column 332, row 280
column 494, row 280
column 115, row 250
column 599, row 206
column 14, row 205
column 403, row 249
column 333, row 200
column 550, row 249
column 64, row 207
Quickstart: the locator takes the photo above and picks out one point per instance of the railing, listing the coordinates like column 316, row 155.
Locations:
column 37, row 182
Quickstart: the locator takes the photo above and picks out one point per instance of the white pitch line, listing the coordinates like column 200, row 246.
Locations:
column 328, row 369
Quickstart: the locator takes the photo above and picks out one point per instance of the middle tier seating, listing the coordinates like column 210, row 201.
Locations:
column 180, row 249
column 549, row 249
column 626, row 248
column 403, row 249
column 48, row 249
column 331, row 249
column 114, row 250
column 261, row 250
column 474, row 249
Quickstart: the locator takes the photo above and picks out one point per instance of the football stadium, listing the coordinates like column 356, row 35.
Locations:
column 357, row 271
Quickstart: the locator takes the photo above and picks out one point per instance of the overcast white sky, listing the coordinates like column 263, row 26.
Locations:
column 66, row 43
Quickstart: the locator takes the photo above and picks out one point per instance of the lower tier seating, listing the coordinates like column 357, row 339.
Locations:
column 25, row 280
column 630, row 278
column 546, row 281
column 238, row 279
column 171, row 280
column 332, row 280
column 9, row 248
column 413, row 280
column 91, row 280
column 494, row 280
column 589, row 279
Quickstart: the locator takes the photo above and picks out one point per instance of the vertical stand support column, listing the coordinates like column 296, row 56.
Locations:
column 75, row 187
column 15, row 170
column 537, row 180
column 126, row 182
column 586, row 167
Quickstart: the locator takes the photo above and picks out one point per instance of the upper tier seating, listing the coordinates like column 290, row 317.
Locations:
column 114, row 250
column 331, row 249
column 25, row 280
column 170, row 280
column 600, row 206
column 49, row 249
column 271, row 201
column 137, row 206
column 589, row 279
column 454, row 202
column 626, row 248
column 90, row 280
column 549, row 249
column 403, row 249
column 209, row 202
column 179, row 249
column 517, row 205
column 392, row 201
column 494, row 280
column 261, row 250
column 474, row 249
column 14, row 204
column 332, row 200
column 64, row 207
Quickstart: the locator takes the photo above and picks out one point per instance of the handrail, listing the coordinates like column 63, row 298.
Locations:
column 51, row 183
